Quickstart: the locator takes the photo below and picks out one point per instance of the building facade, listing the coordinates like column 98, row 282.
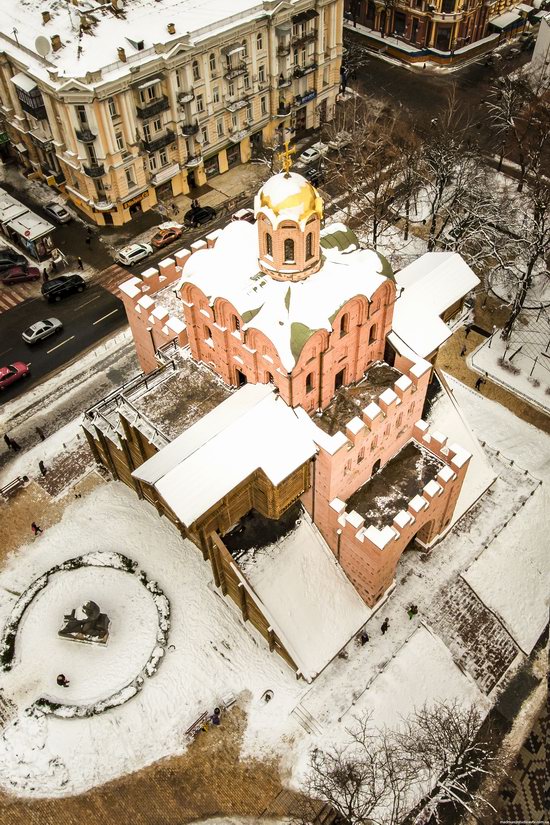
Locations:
column 438, row 30
column 148, row 108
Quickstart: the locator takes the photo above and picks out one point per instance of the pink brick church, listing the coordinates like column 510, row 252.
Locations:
column 303, row 380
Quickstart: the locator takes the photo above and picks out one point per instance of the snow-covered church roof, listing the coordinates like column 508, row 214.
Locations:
column 287, row 312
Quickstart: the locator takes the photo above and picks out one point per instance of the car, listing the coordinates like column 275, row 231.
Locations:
column 315, row 175
column 340, row 140
column 57, row 212
column 314, row 153
column 163, row 237
column 134, row 253
column 244, row 215
column 12, row 373
column 199, row 215
column 57, row 288
column 9, row 258
column 42, row 329
column 19, row 273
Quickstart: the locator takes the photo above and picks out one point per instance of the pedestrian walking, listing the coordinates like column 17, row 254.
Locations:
column 478, row 384
column 364, row 638
column 15, row 445
column 412, row 610
column 466, row 331
column 385, row 626
column 89, row 230
column 463, row 352
column 215, row 718
column 36, row 529
column 8, row 441
column 62, row 680
column 79, row 262
column 42, row 467
column 45, row 276
column 54, row 266
column 175, row 208
column 88, row 241
column 40, row 432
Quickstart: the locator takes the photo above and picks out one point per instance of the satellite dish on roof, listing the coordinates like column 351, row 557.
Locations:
column 42, row 46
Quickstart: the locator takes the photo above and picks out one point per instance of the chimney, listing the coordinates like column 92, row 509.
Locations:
column 171, row 28
column 121, row 54
column 46, row 16
column 56, row 42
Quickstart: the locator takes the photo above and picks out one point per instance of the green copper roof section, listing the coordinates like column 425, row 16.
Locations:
column 250, row 314
column 386, row 271
column 287, row 299
column 299, row 334
column 340, row 238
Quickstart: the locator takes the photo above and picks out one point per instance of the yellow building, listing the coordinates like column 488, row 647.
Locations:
column 121, row 104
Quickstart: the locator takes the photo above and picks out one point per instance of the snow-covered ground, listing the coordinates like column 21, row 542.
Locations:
column 526, row 368
column 211, row 653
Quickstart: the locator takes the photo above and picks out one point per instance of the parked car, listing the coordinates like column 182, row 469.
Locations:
column 42, row 329
column 58, row 288
column 12, row 373
column 244, row 215
column 19, row 273
column 199, row 216
column 134, row 253
column 315, row 175
column 314, row 153
column 165, row 236
column 340, row 140
column 9, row 258
column 57, row 212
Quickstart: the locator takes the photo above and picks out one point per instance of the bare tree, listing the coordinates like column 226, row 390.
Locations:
column 519, row 117
column 386, row 777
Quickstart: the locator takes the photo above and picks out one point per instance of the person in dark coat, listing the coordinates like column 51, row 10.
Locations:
column 79, row 262
column 45, row 275
column 385, row 626
column 42, row 468
column 215, row 718
column 62, row 680
column 8, row 441
column 54, row 266
column 364, row 638
column 36, row 529
column 40, row 432
column 479, row 383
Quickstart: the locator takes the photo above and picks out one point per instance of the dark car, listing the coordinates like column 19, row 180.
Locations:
column 315, row 175
column 58, row 288
column 10, row 258
column 199, row 216
column 19, row 273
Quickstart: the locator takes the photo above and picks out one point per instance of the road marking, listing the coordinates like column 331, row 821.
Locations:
column 105, row 316
column 87, row 302
column 6, row 350
column 66, row 341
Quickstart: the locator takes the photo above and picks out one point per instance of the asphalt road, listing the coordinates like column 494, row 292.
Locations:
column 86, row 318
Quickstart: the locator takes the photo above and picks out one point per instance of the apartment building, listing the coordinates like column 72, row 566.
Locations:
column 122, row 103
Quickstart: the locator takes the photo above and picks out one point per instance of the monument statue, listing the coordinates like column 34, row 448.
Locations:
column 86, row 624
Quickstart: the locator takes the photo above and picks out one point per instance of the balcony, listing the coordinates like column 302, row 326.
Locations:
column 193, row 160
column 302, row 39
column 236, row 103
column 160, row 142
column 161, row 104
column 283, row 50
column 284, row 110
column 34, row 108
column 85, row 135
column 189, row 129
column 186, row 97
column 239, row 134
column 96, row 170
column 235, row 71
column 301, row 100
column 283, row 81
column 301, row 71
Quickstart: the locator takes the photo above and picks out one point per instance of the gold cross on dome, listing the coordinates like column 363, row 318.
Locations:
column 286, row 157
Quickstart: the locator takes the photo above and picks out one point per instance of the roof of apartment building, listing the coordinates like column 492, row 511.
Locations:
column 287, row 312
column 91, row 33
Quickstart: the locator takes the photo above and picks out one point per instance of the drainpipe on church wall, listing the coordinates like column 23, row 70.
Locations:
column 338, row 540
column 313, row 486
column 321, row 355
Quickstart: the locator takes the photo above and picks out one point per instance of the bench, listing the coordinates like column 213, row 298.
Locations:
column 193, row 729
column 13, row 486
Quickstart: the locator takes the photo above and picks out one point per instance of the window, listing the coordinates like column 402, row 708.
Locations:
column 268, row 244
column 372, row 334
column 249, row 112
column 344, row 325
column 163, row 157
column 295, row 57
column 130, row 177
column 81, row 115
column 207, row 333
column 309, row 246
column 245, row 48
column 148, row 94
column 309, row 382
column 152, row 162
column 119, row 141
column 399, row 420
column 339, row 379
column 147, row 132
column 246, row 80
column 374, row 442
column 112, row 107
column 263, row 105
column 231, row 89
column 219, row 128
column 178, row 79
column 261, row 74
column 235, row 324
column 157, row 124
column 269, row 378
column 200, row 103
column 411, row 409
column 212, row 63
column 234, row 120
column 289, row 251
column 259, row 42
column 196, row 70
column 215, row 94
column 361, row 455
column 204, row 132
column 325, row 77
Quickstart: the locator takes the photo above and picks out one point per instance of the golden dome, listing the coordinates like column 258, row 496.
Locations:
column 290, row 196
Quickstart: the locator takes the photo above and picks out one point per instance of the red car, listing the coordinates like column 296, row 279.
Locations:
column 20, row 273
column 165, row 236
column 9, row 375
